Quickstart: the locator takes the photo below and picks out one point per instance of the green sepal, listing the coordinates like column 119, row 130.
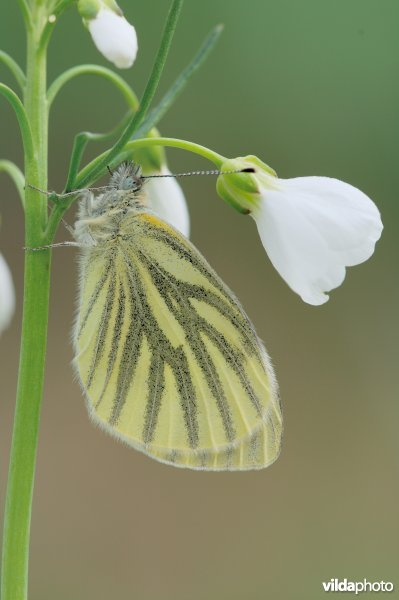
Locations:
column 242, row 190
column 245, row 182
column 225, row 192
column 255, row 161
column 88, row 9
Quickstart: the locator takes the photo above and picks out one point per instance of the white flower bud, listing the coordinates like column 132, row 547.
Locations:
column 167, row 200
column 112, row 34
column 7, row 295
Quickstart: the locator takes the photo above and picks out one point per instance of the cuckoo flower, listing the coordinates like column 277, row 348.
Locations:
column 312, row 228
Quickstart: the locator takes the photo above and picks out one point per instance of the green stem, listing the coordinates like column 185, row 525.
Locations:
column 25, row 13
column 23, row 120
column 148, row 94
column 203, row 151
column 14, row 583
column 79, row 144
column 26, row 425
column 84, row 177
column 16, row 175
column 119, row 82
column 15, row 69
column 61, row 5
column 57, row 10
column 37, row 111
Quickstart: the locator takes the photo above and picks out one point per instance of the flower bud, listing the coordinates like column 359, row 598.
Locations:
column 112, row 34
column 162, row 191
column 7, row 295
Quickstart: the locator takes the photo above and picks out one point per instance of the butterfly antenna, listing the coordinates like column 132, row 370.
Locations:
column 190, row 173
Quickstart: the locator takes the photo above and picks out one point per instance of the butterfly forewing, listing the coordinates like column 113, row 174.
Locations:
column 168, row 360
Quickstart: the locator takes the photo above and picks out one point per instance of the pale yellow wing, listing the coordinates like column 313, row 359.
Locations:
column 167, row 358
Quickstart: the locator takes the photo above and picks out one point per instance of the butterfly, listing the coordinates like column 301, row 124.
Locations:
column 166, row 356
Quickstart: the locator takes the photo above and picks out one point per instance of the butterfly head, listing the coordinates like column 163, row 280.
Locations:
column 127, row 177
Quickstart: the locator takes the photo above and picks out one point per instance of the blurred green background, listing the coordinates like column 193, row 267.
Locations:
column 311, row 87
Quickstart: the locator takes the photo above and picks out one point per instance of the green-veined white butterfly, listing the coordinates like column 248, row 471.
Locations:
column 167, row 358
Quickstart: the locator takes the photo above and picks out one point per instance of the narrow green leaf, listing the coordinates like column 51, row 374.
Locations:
column 176, row 89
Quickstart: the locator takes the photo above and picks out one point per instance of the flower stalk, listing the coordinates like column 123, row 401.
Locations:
column 14, row 582
column 85, row 177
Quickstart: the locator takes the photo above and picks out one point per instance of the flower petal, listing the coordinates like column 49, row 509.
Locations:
column 114, row 37
column 167, row 200
column 314, row 227
column 7, row 295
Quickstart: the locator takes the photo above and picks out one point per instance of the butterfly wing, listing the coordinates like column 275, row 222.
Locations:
column 168, row 360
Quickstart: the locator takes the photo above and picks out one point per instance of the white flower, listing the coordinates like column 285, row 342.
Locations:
column 114, row 37
column 7, row 295
column 167, row 200
column 312, row 228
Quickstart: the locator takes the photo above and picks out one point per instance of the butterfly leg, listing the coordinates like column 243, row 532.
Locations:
column 68, row 227
column 58, row 245
column 53, row 196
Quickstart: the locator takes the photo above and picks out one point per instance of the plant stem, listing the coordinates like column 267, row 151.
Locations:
column 117, row 80
column 36, row 108
column 22, row 118
column 84, row 175
column 79, row 144
column 14, row 583
column 14, row 68
column 25, row 12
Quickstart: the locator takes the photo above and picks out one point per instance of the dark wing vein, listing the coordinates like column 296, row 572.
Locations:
column 103, row 329
column 161, row 346
column 97, row 291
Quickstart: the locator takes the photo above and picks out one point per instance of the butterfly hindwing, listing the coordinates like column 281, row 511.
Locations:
column 167, row 358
